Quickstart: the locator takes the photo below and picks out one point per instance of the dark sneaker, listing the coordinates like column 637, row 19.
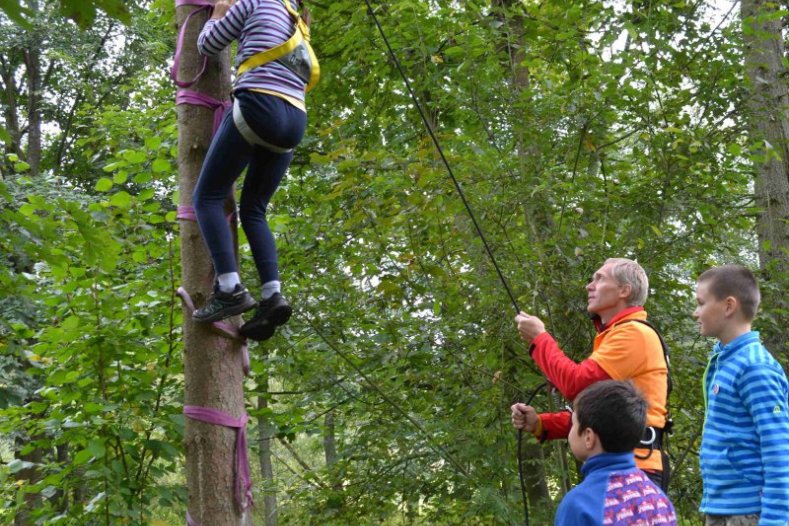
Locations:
column 222, row 305
column 268, row 316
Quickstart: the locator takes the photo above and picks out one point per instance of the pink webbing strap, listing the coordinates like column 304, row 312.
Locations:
column 186, row 96
column 243, row 482
column 190, row 521
column 227, row 329
column 187, row 213
column 201, row 5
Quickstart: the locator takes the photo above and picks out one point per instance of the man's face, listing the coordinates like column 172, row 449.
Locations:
column 604, row 293
column 710, row 311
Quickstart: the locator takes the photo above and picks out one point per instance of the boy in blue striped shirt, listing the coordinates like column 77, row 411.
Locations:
column 745, row 442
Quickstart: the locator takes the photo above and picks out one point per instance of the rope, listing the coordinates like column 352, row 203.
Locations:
column 520, row 459
column 443, row 158
column 438, row 447
column 470, row 213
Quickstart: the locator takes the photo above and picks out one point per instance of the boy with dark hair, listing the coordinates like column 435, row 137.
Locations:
column 744, row 455
column 608, row 422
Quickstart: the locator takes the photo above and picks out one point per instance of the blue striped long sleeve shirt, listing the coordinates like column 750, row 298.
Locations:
column 745, row 441
column 258, row 25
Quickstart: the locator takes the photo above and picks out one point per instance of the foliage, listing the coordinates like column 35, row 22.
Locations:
column 83, row 12
column 578, row 132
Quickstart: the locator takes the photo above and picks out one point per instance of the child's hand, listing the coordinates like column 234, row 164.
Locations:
column 524, row 417
column 220, row 8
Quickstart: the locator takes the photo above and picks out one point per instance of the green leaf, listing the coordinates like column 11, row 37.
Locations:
column 96, row 448
column 27, row 210
column 121, row 200
column 15, row 12
column 160, row 165
column 153, row 143
column 103, row 185
column 135, row 156
column 111, row 167
column 82, row 457
column 120, row 177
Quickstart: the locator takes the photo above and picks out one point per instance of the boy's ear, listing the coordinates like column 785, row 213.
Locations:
column 589, row 438
column 731, row 306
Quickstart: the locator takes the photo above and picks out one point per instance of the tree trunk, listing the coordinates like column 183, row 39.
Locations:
column 213, row 373
column 33, row 66
column 768, row 108
column 531, row 453
column 329, row 441
column 267, row 430
column 28, row 477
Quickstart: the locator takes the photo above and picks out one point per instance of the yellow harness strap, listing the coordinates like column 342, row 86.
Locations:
column 301, row 37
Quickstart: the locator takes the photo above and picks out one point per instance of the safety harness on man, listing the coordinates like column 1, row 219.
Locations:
column 297, row 55
column 653, row 438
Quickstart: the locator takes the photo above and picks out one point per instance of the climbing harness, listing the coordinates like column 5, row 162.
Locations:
column 296, row 53
column 657, row 438
column 249, row 134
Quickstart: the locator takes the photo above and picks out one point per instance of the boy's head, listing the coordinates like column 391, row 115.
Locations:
column 608, row 417
column 727, row 299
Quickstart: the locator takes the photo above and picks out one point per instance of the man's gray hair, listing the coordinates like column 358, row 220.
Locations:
column 627, row 271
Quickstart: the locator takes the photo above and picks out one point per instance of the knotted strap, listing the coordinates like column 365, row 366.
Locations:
column 243, row 482
column 201, row 6
column 185, row 96
column 227, row 329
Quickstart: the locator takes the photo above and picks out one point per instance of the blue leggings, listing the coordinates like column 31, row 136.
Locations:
column 275, row 121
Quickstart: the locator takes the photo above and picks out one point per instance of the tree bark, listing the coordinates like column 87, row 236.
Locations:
column 27, row 477
column 213, row 373
column 10, row 90
column 768, row 111
column 329, row 441
column 33, row 66
column 531, row 453
column 267, row 431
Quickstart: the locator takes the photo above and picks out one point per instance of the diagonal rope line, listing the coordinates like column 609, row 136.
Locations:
column 442, row 451
column 443, row 157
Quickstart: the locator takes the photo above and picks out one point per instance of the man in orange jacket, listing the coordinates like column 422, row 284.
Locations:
column 625, row 348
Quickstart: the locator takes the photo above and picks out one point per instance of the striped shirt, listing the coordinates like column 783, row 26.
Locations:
column 745, row 443
column 258, row 25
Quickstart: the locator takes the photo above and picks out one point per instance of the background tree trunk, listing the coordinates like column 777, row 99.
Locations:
column 213, row 373
column 512, row 34
column 33, row 66
column 768, row 107
column 27, row 477
column 267, row 430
